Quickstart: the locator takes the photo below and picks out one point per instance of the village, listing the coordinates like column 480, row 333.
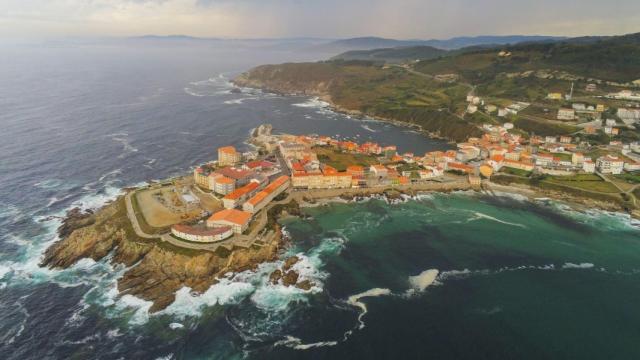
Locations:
column 226, row 200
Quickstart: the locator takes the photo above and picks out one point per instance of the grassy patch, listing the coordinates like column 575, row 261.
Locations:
column 516, row 172
column 587, row 182
column 340, row 160
column 633, row 178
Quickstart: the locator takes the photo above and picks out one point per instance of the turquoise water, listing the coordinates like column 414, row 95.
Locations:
column 516, row 280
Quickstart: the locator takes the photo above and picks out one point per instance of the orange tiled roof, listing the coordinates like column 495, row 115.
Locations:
column 227, row 150
column 224, row 180
column 234, row 173
column 355, row 168
column 238, row 193
column 268, row 190
column 231, row 215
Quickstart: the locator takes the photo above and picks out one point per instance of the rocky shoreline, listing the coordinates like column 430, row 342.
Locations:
column 242, row 81
column 156, row 270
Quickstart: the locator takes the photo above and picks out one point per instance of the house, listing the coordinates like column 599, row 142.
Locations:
column 610, row 164
column 512, row 155
column 221, row 184
column 591, row 87
column 565, row 139
column 258, row 165
column 554, row 96
column 589, row 166
column 629, row 115
column 239, row 176
column 460, row 167
column 264, row 197
column 566, row 114
column 577, row 159
column 236, row 219
column 632, row 166
column 550, row 139
column 579, row 107
column 379, row 171
column 544, row 159
column 520, row 165
column 228, row 156
column 239, row 196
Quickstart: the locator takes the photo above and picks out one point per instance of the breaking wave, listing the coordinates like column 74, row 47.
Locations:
column 315, row 103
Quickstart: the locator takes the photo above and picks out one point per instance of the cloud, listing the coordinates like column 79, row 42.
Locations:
column 326, row 18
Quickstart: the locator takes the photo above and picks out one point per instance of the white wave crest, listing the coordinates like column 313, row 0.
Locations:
column 315, row 103
column 577, row 266
column 368, row 128
column 235, row 101
column 226, row 291
column 175, row 326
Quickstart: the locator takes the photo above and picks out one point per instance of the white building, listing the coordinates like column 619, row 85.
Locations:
column 566, row 114
column 609, row 164
column 589, row 166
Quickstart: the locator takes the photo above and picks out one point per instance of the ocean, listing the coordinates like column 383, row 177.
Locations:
column 462, row 275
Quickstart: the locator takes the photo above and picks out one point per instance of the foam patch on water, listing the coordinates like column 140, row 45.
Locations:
column 296, row 343
column 423, row 280
column 480, row 216
column 354, row 300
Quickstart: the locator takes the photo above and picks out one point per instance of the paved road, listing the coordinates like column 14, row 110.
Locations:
column 628, row 192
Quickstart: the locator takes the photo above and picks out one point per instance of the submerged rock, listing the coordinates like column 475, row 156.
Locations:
column 304, row 285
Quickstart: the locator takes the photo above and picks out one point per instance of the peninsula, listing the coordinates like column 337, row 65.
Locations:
column 189, row 231
column 532, row 116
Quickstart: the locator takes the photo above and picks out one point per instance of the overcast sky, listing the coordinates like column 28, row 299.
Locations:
column 317, row 18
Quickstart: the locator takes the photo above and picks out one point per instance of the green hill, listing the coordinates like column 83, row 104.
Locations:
column 413, row 94
column 393, row 55
column 362, row 87
column 612, row 59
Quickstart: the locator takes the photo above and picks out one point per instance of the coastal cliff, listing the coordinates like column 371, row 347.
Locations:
column 385, row 93
column 156, row 269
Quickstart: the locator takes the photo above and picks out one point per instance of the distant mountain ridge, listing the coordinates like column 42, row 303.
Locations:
column 370, row 43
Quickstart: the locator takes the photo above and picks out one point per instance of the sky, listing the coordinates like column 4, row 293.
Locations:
column 400, row 19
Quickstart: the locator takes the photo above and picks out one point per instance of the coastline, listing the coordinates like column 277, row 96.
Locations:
column 156, row 270
column 326, row 98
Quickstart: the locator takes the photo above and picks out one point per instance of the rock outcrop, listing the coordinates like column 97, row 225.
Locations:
column 157, row 270
column 287, row 276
